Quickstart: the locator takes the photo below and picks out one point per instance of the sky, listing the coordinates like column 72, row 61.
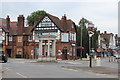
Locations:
column 103, row 13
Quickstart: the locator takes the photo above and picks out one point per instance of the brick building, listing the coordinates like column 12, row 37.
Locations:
column 117, row 40
column 50, row 36
column 107, row 40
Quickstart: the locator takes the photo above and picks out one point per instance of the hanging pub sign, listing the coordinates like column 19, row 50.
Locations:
column 80, row 47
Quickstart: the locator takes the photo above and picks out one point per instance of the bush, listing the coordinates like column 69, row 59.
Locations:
column 26, row 56
column 18, row 56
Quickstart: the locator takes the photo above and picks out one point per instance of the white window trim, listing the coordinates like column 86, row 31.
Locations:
column 20, row 39
column 6, row 38
column 10, row 38
column 30, row 38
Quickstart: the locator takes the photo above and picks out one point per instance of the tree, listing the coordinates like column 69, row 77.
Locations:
column 35, row 16
column 82, row 33
column 82, row 40
column 94, row 40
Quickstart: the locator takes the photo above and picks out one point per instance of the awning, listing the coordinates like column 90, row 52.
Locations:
column 80, row 47
column 99, row 50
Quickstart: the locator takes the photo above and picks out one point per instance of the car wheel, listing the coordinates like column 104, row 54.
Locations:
column 5, row 61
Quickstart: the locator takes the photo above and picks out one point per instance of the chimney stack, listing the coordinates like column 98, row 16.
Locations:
column 64, row 17
column 21, row 21
column 20, row 24
column 105, row 32
column 8, row 22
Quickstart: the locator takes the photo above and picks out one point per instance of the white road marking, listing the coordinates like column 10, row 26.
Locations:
column 16, row 72
column 7, row 68
column 18, row 62
column 21, row 75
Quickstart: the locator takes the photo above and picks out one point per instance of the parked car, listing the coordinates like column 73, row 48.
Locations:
column 3, row 56
column 117, row 55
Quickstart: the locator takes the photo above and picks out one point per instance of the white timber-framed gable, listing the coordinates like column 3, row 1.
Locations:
column 46, row 27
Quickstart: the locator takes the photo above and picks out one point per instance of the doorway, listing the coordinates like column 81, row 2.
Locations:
column 8, row 52
column 64, row 53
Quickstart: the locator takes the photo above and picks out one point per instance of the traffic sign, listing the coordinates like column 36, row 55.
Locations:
column 90, row 32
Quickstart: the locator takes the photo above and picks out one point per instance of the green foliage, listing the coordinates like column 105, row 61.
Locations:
column 0, row 48
column 18, row 56
column 85, row 37
column 26, row 56
column 35, row 16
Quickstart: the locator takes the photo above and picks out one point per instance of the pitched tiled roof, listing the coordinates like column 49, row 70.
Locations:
column 63, row 25
column 3, row 24
column 4, row 28
column 2, row 21
column 27, row 30
column 14, row 28
column 56, row 20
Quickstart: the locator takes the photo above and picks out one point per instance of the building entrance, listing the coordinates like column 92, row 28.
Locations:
column 47, row 46
column 8, row 52
column 64, row 53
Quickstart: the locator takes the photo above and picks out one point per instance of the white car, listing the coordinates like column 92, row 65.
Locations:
column 117, row 55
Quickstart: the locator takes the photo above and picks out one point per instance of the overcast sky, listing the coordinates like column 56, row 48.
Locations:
column 103, row 13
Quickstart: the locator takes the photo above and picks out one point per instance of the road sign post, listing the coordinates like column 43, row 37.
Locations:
column 90, row 32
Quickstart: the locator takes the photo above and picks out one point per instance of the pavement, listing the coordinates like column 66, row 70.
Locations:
column 105, row 67
column 99, row 70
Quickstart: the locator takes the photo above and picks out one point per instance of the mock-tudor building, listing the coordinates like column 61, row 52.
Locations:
column 50, row 36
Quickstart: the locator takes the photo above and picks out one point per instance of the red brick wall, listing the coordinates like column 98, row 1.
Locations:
column 59, row 46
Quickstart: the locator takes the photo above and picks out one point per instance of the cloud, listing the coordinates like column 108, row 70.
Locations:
column 103, row 14
column 59, row 0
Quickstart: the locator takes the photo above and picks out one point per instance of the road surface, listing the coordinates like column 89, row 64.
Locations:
column 25, row 68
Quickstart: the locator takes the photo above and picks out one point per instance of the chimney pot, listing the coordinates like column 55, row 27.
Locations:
column 7, row 16
column 105, row 32
column 21, row 16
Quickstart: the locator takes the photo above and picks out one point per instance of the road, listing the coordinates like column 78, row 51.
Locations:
column 25, row 68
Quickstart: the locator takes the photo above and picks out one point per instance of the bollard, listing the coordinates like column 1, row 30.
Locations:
column 98, row 62
column 87, row 57
column 95, row 57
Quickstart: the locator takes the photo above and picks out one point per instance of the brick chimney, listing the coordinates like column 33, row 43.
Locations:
column 64, row 17
column 21, row 21
column 64, row 22
column 8, row 22
column 105, row 32
column 20, row 24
